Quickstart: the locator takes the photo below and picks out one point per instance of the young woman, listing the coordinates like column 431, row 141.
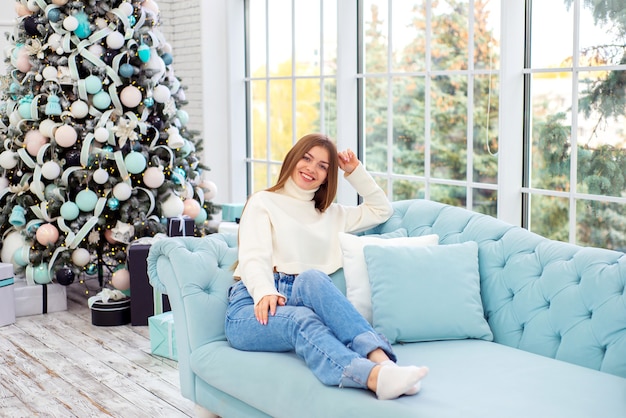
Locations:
column 288, row 245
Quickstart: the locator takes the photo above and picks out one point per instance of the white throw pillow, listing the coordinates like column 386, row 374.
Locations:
column 355, row 269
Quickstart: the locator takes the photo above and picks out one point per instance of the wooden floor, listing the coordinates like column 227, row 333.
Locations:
column 60, row 365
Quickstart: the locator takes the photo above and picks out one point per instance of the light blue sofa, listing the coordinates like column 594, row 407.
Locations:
column 557, row 312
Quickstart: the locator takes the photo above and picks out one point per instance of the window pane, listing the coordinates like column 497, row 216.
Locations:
column 486, row 133
column 280, row 40
column 376, row 124
column 258, row 119
column 485, row 201
column 449, row 45
column 329, row 58
column 329, row 124
column 281, row 126
column 409, row 36
column 307, row 37
column 449, row 127
column 407, row 189
column 551, row 130
column 486, row 34
column 549, row 217
column 408, row 125
column 602, row 43
column 307, row 106
column 601, row 224
column 376, row 29
column 264, row 175
column 551, row 47
column 451, row 195
column 256, row 37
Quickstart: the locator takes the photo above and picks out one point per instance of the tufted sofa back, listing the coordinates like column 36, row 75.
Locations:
column 551, row 298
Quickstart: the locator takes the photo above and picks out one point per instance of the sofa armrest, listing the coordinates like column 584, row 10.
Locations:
column 195, row 273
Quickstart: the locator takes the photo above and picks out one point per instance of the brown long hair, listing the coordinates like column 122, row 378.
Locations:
column 325, row 195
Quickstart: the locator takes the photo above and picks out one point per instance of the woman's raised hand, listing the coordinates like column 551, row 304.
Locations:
column 348, row 161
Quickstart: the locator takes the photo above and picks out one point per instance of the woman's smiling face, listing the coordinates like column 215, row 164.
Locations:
column 311, row 171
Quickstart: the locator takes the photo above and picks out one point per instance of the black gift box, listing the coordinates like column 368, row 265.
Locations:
column 180, row 227
column 141, row 290
column 111, row 313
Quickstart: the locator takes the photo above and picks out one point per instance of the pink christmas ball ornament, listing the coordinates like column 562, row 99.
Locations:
column 130, row 96
column 22, row 62
column 65, row 136
column 108, row 235
column 191, row 208
column 34, row 140
column 47, row 234
column 120, row 279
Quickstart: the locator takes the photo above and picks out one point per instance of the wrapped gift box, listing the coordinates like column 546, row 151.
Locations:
column 162, row 336
column 180, row 227
column 141, row 291
column 231, row 212
column 39, row 298
column 7, row 296
column 110, row 313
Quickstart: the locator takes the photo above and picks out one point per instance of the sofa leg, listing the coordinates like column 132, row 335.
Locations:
column 201, row 412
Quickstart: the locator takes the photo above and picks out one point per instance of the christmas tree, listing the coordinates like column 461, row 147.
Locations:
column 95, row 146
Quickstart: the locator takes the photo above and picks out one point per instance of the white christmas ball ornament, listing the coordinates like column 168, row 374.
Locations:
column 210, row 189
column 4, row 183
column 161, row 94
column 70, row 23
column 96, row 49
column 101, row 134
column 50, row 170
column 130, row 96
column 50, row 73
column 54, row 41
column 115, row 40
column 79, row 109
column 126, row 8
column 153, row 177
column 172, row 207
column 65, row 136
column 122, row 191
column 100, row 176
column 80, row 257
column 47, row 127
column 8, row 159
column 10, row 243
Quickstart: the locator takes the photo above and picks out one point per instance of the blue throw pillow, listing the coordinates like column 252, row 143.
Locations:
column 426, row 293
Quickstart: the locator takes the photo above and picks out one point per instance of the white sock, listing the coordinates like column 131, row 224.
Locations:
column 394, row 381
column 413, row 390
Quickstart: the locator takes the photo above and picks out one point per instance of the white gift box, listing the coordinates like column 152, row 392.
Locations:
column 7, row 298
column 38, row 298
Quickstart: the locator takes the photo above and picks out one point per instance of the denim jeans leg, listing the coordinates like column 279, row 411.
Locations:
column 296, row 328
column 315, row 290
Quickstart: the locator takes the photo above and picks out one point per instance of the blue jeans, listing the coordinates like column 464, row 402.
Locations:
column 317, row 322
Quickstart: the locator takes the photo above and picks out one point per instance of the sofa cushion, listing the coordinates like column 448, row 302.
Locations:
column 354, row 268
column 426, row 293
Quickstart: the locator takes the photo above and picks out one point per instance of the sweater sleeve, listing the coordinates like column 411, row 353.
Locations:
column 255, row 250
column 375, row 208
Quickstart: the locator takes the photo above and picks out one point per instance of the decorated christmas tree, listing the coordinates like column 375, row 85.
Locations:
column 96, row 151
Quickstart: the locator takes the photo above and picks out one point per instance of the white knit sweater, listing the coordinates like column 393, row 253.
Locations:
column 283, row 231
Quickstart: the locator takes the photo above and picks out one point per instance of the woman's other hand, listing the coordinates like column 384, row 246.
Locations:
column 348, row 161
column 267, row 304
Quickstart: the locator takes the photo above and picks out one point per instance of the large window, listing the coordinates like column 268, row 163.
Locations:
column 459, row 101
column 576, row 129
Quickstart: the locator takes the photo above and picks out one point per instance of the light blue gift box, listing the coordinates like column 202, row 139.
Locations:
column 162, row 336
column 231, row 211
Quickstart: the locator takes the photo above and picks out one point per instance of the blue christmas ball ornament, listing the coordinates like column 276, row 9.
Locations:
column 101, row 100
column 148, row 101
column 93, row 84
column 83, row 30
column 126, row 70
column 69, row 211
column 167, row 58
column 54, row 15
column 132, row 20
column 113, row 203
column 91, row 269
column 41, row 274
column 182, row 116
column 135, row 162
column 86, row 200
column 201, row 218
